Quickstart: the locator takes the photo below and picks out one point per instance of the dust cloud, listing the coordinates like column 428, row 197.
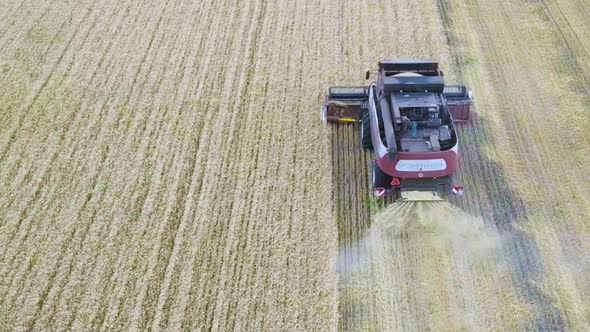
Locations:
column 428, row 265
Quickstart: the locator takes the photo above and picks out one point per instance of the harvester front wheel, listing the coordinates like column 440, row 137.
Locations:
column 444, row 186
column 366, row 142
column 380, row 178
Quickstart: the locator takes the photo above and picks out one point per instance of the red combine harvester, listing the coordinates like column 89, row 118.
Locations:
column 407, row 117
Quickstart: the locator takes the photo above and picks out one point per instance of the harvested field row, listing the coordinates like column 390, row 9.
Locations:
column 529, row 127
column 531, row 91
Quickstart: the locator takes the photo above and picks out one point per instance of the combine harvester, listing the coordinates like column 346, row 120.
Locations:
column 408, row 118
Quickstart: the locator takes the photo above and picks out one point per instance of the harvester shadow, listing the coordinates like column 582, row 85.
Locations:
column 501, row 207
column 497, row 203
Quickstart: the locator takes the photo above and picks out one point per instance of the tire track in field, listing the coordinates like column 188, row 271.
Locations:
column 66, row 250
column 17, row 5
column 156, row 252
column 23, row 209
column 276, row 196
column 155, row 110
column 11, row 39
column 118, row 121
column 225, row 248
column 113, row 234
column 219, row 168
column 56, row 153
column 29, row 169
column 26, row 67
column 570, row 69
column 88, row 234
column 210, row 256
column 277, row 64
column 201, row 83
column 164, row 294
column 40, row 85
column 159, row 235
column 201, row 192
column 69, row 292
column 25, row 171
column 222, row 303
column 494, row 200
column 117, row 226
column 39, row 303
column 576, row 49
column 564, row 251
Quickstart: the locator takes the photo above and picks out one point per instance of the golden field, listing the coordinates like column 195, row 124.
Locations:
column 163, row 167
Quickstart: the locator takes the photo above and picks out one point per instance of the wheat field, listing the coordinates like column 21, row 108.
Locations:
column 163, row 167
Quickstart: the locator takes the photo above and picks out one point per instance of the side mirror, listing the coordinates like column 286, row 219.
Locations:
column 368, row 74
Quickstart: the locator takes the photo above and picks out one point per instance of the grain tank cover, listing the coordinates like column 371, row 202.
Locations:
column 394, row 84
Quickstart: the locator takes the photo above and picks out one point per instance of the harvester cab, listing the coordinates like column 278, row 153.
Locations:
column 407, row 117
